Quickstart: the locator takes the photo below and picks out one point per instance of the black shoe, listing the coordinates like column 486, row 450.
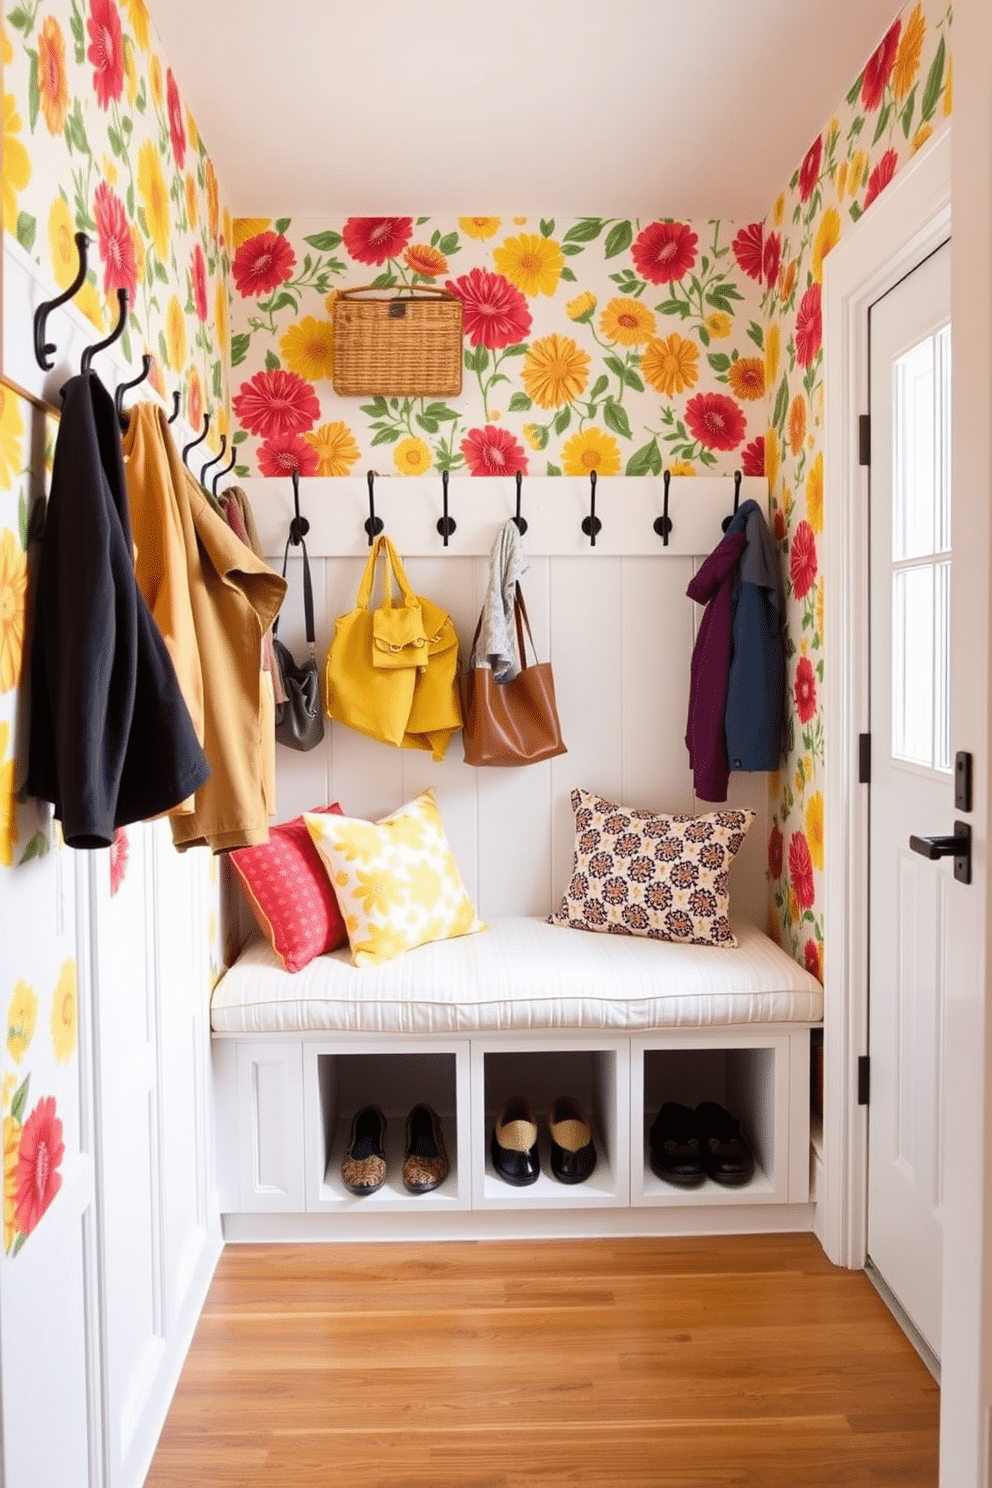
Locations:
column 726, row 1156
column 573, row 1155
column 425, row 1161
column 514, row 1144
column 676, row 1148
column 363, row 1169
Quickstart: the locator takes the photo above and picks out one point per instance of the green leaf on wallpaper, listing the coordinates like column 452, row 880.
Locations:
column 422, row 220
column 376, row 409
column 386, row 436
column 553, row 469
column 129, row 201
column 75, row 131
column 547, row 227
column 615, row 365
column 281, row 224
column 439, row 411
column 539, row 435
column 429, row 425
column 239, row 436
column 562, row 419
column 571, row 249
column 282, row 301
column 449, row 243
column 76, row 28
column 324, row 242
column 615, row 418
column 34, row 97
column 272, row 363
column 477, row 360
column 674, row 307
column 585, row 230
column 520, row 403
column 598, row 388
column 384, row 281
column 633, row 379
column 906, row 117
column 241, row 471
column 162, row 349
column 756, row 334
column 21, row 20
column 26, row 229
column 645, row 461
column 20, row 1100
column 22, row 521
column 855, row 211
column 934, row 84
column 882, row 123
column 567, row 274
column 161, row 273
column 37, row 847
column 719, row 361
column 217, row 382
column 722, row 296
column 519, row 348
column 239, row 348
column 852, row 95
column 781, row 404
column 126, row 125
column 703, row 334
column 618, row 240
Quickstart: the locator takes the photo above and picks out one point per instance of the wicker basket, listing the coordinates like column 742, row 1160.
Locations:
column 408, row 343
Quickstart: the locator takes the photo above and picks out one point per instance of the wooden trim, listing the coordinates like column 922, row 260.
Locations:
column 32, row 398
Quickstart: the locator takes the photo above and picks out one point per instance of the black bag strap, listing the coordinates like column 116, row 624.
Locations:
column 293, row 538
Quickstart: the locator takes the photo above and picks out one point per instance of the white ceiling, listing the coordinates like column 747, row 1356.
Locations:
column 632, row 108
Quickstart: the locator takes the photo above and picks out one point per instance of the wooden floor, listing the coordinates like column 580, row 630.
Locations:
column 701, row 1363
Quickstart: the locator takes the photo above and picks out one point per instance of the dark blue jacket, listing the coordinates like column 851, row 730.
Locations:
column 755, row 709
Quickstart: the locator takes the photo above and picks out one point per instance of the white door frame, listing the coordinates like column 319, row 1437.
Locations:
column 910, row 220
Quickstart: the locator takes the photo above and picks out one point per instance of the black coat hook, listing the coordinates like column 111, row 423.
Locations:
column 520, row 521
column 198, row 440
column 373, row 524
column 176, row 400
column 115, row 335
column 445, row 524
column 299, row 526
column 226, row 471
column 663, row 524
column 122, row 387
column 215, row 461
column 43, row 349
column 737, row 501
column 591, row 524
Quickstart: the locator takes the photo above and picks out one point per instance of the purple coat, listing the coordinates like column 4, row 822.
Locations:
column 705, row 733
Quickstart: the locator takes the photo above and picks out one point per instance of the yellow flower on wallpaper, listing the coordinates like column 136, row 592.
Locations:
column 840, row 180
column 591, row 449
column 949, row 88
column 175, row 334
column 771, row 458
column 53, row 85
column 814, row 828
column 16, row 163
column 192, row 211
column 154, row 196
column 108, row 171
column 210, row 176
column 797, row 423
column 412, row 456
column 87, row 299
column 857, row 172
column 194, row 400
column 7, row 1089
column 818, row 606
column 682, row 467
column 220, row 315
column 8, row 807
column 140, row 256
column 479, row 227
column 532, row 435
column 137, row 14
column 814, row 493
column 582, row 306
column 11, row 438
column 22, row 1015
column 228, row 231
column 155, row 82
column 192, row 133
column 8, row 50
column 826, row 238
column 11, row 1150
column 627, row 321
column 130, row 61
column 13, row 599
column 64, row 1013
column 719, row 324
column 747, row 378
column 773, row 344
column 788, row 279
column 555, row 371
column 61, row 231
column 336, row 449
column 248, row 227
column 920, row 138
column 910, row 51
column 671, row 365
column 778, row 211
column 532, row 263
column 308, row 348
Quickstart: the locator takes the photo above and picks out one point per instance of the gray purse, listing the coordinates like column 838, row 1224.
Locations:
column 300, row 719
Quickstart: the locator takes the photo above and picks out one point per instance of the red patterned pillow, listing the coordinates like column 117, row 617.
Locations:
column 289, row 893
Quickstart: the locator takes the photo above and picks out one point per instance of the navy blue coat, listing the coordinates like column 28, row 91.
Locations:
column 755, row 708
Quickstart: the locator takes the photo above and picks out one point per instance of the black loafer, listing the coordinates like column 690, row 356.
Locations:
column 514, row 1144
column 573, row 1155
column 727, row 1158
column 676, row 1149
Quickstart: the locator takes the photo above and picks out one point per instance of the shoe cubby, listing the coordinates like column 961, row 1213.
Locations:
column 595, row 1072
column 762, row 1079
column 340, row 1081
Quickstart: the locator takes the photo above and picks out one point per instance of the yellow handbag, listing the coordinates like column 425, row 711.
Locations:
column 391, row 672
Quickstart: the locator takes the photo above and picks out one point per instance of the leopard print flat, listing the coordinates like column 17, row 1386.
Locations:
column 363, row 1168
column 425, row 1165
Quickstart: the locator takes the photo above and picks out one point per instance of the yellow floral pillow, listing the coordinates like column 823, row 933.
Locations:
column 396, row 881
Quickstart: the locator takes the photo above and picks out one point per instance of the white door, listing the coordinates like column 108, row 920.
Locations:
column 912, row 783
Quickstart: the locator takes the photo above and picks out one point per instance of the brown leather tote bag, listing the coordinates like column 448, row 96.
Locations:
column 515, row 722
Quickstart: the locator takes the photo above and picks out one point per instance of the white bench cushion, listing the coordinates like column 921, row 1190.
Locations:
column 521, row 974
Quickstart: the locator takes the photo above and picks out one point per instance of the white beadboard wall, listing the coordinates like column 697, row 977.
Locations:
column 613, row 619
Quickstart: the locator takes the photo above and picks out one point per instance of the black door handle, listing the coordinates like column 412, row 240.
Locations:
column 957, row 847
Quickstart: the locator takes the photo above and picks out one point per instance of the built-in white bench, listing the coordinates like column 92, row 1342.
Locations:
column 524, row 1008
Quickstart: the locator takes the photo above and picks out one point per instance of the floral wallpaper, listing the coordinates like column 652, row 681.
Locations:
column 903, row 95
column 97, row 139
column 623, row 347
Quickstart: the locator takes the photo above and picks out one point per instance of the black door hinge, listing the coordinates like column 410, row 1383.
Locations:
column 864, row 1079
column 864, row 438
column 864, row 759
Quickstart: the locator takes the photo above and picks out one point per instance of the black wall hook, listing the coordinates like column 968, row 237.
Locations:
column 198, row 440
column 43, row 349
column 122, row 387
column 176, row 400
column 663, row 524
column 521, row 522
column 445, row 524
column 591, row 524
column 214, row 461
column 115, row 335
column 226, row 471
column 737, row 501
column 299, row 526
column 373, row 524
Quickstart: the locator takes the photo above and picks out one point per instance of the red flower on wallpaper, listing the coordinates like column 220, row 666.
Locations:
column 495, row 313
column 493, row 451
column 811, row 959
column 802, row 560
column 120, row 270
column 753, row 457
column 879, row 67
column 372, row 240
column 119, row 852
column 106, row 51
column 772, row 259
column 199, row 276
column 778, row 524
column 177, row 129
column 664, row 251
column 881, row 176
column 775, row 846
column 748, row 246
column 276, row 402
column 801, row 869
column 284, row 453
column 262, row 263
column 805, row 690
column 809, row 326
column 39, row 1155
column 715, row 420
column 809, row 171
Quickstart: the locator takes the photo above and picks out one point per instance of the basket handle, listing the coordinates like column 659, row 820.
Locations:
column 434, row 291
